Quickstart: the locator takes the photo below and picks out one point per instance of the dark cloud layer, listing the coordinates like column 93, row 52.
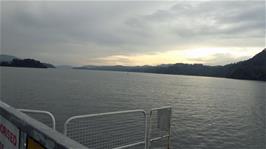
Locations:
column 78, row 32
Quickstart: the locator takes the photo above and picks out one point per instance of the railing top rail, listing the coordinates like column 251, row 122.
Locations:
column 100, row 114
column 43, row 112
column 103, row 114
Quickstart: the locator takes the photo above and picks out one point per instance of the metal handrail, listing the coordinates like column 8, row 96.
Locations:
column 148, row 121
column 113, row 113
column 99, row 114
column 41, row 112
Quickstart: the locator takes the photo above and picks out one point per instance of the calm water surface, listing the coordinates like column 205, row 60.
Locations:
column 214, row 113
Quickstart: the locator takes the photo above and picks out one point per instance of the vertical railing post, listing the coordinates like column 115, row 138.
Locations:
column 147, row 132
column 169, row 141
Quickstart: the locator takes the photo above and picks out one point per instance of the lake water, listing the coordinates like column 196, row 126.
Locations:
column 214, row 113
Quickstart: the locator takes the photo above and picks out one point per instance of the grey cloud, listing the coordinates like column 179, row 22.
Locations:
column 97, row 29
column 200, row 19
column 194, row 23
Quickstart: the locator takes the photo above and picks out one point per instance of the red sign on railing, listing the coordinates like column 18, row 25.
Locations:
column 9, row 134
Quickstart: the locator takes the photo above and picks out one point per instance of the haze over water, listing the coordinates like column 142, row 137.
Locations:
column 207, row 112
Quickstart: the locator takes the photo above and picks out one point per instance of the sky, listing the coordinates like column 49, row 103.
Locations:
column 133, row 32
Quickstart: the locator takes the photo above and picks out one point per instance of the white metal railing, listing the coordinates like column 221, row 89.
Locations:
column 20, row 131
column 116, row 130
column 160, row 127
column 43, row 116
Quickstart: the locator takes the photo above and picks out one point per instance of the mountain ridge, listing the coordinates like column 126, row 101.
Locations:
column 251, row 69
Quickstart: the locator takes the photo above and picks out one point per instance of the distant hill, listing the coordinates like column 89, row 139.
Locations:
column 7, row 58
column 12, row 61
column 251, row 69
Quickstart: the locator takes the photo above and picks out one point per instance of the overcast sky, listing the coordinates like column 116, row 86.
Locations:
column 133, row 33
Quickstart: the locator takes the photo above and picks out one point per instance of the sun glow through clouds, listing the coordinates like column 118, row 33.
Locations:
column 192, row 56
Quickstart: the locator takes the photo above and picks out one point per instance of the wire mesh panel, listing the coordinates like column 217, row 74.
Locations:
column 159, row 128
column 45, row 117
column 124, row 129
